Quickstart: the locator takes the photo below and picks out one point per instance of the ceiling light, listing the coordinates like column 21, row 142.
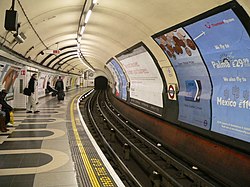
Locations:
column 79, row 38
column 94, row 2
column 87, row 16
column 85, row 63
column 82, row 30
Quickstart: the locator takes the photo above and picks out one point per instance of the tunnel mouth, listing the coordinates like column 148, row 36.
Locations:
column 101, row 83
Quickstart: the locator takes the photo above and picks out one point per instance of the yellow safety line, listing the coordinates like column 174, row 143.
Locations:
column 84, row 156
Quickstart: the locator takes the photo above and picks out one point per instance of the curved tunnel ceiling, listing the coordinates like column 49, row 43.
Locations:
column 114, row 26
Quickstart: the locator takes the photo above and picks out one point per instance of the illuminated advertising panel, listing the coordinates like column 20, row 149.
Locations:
column 225, row 47
column 42, row 80
column 120, row 79
column 146, row 85
column 115, row 89
column 195, row 85
column 8, row 77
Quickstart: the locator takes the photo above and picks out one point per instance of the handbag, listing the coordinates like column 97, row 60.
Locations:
column 54, row 94
column 27, row 91
column 11, row 117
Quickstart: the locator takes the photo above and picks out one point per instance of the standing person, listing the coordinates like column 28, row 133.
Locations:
column 31, row 98
column 60, row 89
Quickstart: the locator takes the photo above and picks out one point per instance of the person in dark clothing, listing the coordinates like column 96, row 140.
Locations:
column 5, row 106
column 31, row 98
column 50, row 89
column 59, row 86
column 3, row 127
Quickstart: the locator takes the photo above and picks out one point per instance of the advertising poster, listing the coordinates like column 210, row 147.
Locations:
column 115, row 86
column 68, row 81
column 122, row 81
column 53, row 80
column 194, row 83
column 50, row 80
column 73, row 82
column 42, row 83
column 8, row 76
column 225, row 47
column 146, row 85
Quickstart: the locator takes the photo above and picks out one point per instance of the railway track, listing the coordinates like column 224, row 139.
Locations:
column 135, row 155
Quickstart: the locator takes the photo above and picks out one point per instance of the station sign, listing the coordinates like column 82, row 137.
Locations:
column 172, row 91
column 52, row 51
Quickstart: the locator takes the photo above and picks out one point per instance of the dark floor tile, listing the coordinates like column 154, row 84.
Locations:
column 24, row 160
column 5, row 184
column 6, row 179
column 39, row 116
column 31, row 157
column 44, row 159
column 24, row 177
column 52, row 105
column 35, row 144
column 37, row 120
column 50, row 111
column 29, row 164
column 2, row 157
column 22, row 184
column 7, row 165
column 32, row 126
column 26, row 134
column 5, row 134
column 11, row 161
column 13, row 157
column 30, row 160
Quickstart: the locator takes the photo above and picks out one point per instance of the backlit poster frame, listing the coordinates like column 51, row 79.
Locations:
column 195, row 87
column 146, row 78
column 120, row 78
column 227, row 55
column 9, row 75
column 111, row 83
column 42, row 83
column 222, row 38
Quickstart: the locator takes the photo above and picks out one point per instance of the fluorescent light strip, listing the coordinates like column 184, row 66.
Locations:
column 82, row 30
column 87, row 16
column 79, row 38
column 79, row 56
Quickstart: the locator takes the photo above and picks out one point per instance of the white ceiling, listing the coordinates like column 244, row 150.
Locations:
column 114, row 26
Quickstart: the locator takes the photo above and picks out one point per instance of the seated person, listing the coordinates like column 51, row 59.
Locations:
column 49, row 89
column 3, row 127
column 5, row 106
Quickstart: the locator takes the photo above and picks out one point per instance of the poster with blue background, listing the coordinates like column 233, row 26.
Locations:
column 122, row 81
column 194, row 84
column 225, row 48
